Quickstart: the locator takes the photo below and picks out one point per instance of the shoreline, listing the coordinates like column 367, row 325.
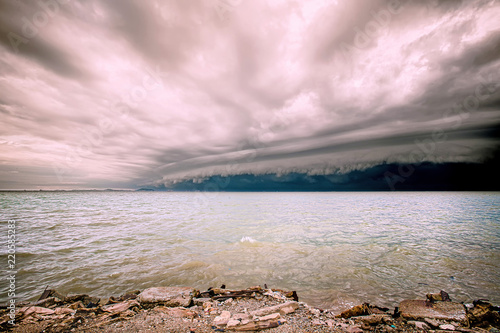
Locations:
column 185, row 309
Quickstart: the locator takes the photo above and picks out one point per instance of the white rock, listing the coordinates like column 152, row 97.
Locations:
column 232, row 323
column 223, row 319
column 271, row 316
column 447, row 327
column 419, row 324
column 168, row 296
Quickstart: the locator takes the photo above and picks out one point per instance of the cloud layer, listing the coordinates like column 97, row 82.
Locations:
column 129, row 93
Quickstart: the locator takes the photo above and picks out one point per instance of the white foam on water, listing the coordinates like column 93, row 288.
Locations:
column 247, row 239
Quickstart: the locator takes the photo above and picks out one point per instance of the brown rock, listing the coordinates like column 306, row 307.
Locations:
column 241, row 316
column 127, row 313
column 120, row 307
column 419, row 325
column 200, row 301
column 447, row 327
column 420, row 309
column 233, row 323
column 60, row 311
column 28, row 311
column 76, row 305
column 374, row 319
column 256, row 325
column 75, row 298
column 178, row 312
column 354, row 329
column 272, row 316
column 358, row 310
column 223, row 319
column 167, row 296
column 432, row 322
column 483, row 315
column 284, row 308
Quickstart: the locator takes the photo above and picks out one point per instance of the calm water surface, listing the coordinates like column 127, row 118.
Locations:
column 335, row 249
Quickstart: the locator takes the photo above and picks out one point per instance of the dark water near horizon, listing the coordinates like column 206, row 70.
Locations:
column 335, row 249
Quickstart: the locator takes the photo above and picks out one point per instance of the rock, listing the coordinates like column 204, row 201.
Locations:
column 208, row 304
column 75, row 298
column 76, row 305
column 432, row 322
column 120, row 307
column 354, row 329
column 289, row 307
column 419, row 325
column 284, row 308
column 442, row 296
column 32, row 310
column 358, row 310
column 447, row 327
column 167, row 296
column 232, row 323
column 330, row 323
column 318, row 322
column 223, row 319
column 271, row 316
column 389, row 328
column 200, row 301
column 374, row 319
column 241, row 316
column 314, row 312
column 60, row 311
column 420, row 309
column 127, row 313
column 104, row 301
column 484, row 314
column 178, row 312
column 255, row 325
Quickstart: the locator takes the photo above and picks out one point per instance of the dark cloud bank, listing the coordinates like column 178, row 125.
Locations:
column 394, row 177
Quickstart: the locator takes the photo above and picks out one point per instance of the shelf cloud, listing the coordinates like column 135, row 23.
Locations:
column 129, row 94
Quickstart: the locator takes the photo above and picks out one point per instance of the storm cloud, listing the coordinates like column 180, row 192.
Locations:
column 129, row 94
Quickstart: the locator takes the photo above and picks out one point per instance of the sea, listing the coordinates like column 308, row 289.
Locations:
column 336, row 249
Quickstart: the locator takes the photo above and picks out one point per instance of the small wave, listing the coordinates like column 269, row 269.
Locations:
column 247, row 239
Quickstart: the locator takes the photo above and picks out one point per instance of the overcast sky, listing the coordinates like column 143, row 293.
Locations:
column 124, row 94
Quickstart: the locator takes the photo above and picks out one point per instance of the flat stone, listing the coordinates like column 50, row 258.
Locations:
column 232, row 323
column 318, row 322
column 178, row 312
column 119, row 307
column 272, row 316
column 168, row 296
column 60, row 311
column 419, row 325
column 447, row 327
column 222, row 319
column 75, row 298
column 200, row 301
column 374, row 319
column 27, row 311
column 241, row 316
column 432, row 322
column 420, row 309
column 284, row 308
column 354, row 329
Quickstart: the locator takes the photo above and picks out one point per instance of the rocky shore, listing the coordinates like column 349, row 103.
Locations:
column 182, row 309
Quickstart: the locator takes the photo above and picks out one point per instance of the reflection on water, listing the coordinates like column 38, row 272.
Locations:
column 335, row 249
